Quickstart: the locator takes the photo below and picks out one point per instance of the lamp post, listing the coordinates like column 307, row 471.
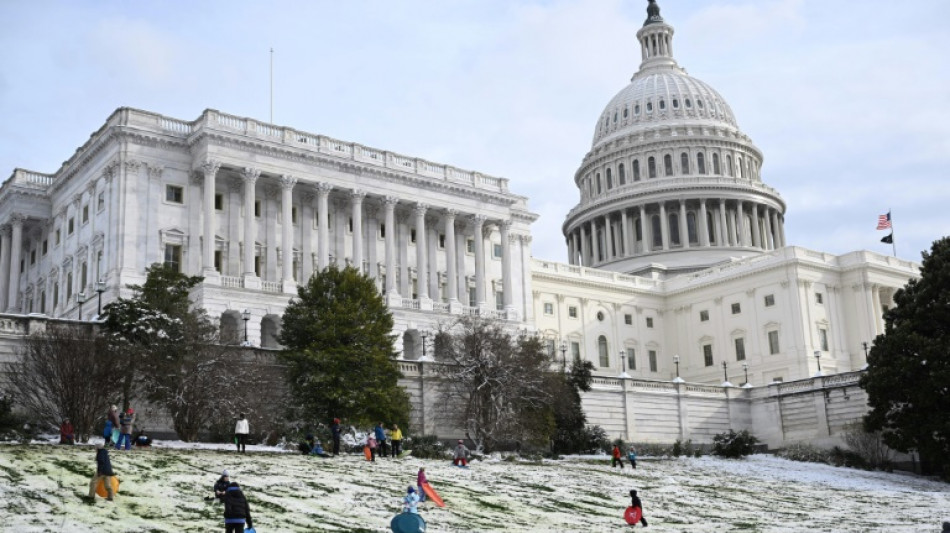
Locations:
column 424, row 334
column 725, row 375
column 745, row 368
column 563, row 355
column 623, row 362
column 865, row 344
column 100, row 288
column 818, row 359
column 676, row 361
column 245, row 315
column 80, row 299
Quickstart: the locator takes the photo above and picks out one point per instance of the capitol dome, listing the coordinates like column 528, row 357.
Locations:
column 670, row 183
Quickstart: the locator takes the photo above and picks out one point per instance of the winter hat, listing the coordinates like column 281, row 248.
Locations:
column 114, row 408
column 336, row 420
column 225, row 474
column 460, row 441
column 633, row 493
column 411, row 490
column 130, row 411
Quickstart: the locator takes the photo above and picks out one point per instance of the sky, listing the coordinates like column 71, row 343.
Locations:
column 848, row 101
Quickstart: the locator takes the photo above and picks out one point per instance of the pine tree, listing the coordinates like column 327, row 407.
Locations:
column 908, row 377
column 339, row 350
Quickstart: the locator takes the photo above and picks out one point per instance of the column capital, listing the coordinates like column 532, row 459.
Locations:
column 17, row 219
column 478, row 220
column 450, row 214
column 420, row 209
column 287, row 181
column 131, row 165
column 504, row 225
column 390, row 202
column 357, row 195
column 210, row 168
column 155, row 171
column 324, row 188
column 251, row 174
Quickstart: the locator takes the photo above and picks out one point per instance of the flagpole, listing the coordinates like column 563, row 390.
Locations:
column 893, row 242
column 271, row 85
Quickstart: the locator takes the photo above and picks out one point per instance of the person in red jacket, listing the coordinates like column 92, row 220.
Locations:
column 67, row 434
column 617, row 457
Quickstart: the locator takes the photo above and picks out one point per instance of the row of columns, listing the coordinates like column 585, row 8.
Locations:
column 389, row 203
column 728, row 229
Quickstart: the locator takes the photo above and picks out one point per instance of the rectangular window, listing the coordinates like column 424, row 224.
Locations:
column 257, row 265
column 819, row 298
column 769, row 300
column 572, row 311
column 704, row 316
column 628, row 319
column 604, row 356
column 649, row 321
column 496, row 251
column 500, row 301
column 219, row 202
column 823, row 339
column 45, row 246
column 470, row 246
column 58, row 236
column 550, row 348
column 631, row 359
column 69, row 286
column 217, row 260
column 257, row 208
column 85, row 214
column 70, row 226
column 412, row 236
column 173, row 257
column 773, row 342
column 576, row 350
column 736, row 309
column 101, row 201
column 548, row 308
column 707, row 355
column 740, row 349
column 472, row 302
column 174, row 194
column 441, row 241
column 43, row 302
column 293, row 215
column 382, row 231
column 55, row 294
column 83, row 276
column 651, row 355
column 33, row 256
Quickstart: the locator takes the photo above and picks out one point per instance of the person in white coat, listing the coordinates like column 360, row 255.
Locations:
column 241, row 430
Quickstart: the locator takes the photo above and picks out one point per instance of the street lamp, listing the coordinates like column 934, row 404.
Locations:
column 80, row 298
column 563, row 355
column 100, row 288
column 245, row 315
column 676, row 361
column 745, row 368
column 623, row 363
column 424, row 334
column 818, row 359
column 725, row 375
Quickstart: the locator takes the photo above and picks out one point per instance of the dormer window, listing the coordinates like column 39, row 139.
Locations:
column 689, row 103
column 636, row 109
column 649, row 107
column 676, row 103
column 662, row 104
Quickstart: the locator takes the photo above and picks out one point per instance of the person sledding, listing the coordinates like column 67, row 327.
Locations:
column 312, row 446
column 616, row 458
column 632, row 457
column 104, row 473
column 236, row 510
column 460, row 457
column 410, row 504
column 421, row 480
column 635, row 503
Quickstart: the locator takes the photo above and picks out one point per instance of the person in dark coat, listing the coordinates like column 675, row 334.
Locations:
column 635, row 502
column 236, row 510
column 335, row 432
column 221, row 486
column 103, row 472
column 380, row 433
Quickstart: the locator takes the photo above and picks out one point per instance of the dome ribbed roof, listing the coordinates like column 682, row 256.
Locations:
column 658, row 96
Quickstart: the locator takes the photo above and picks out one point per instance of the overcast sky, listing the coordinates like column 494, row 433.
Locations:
column 848, row 101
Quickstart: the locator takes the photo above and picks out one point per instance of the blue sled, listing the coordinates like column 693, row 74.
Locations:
column 408, row 523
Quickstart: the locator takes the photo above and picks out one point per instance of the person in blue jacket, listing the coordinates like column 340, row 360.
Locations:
column 411, row 502
column 380, row 438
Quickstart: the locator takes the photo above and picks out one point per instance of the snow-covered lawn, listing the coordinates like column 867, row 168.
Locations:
column 163, row 489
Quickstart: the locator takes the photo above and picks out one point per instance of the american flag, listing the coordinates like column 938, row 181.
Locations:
column 884, row 221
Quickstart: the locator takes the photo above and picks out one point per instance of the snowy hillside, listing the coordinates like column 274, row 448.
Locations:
column 164, row 489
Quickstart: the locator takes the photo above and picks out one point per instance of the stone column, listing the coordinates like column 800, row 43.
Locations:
column 5, row 267
column 306, row 235
column 703, row 224
column 756, row 237
column 450, row 256
column 505, row 227
column 664, row 227
column 769, row 236
column 723, row 225
column 432, row 256
column 584, row 250
column 645, row 230
column 741, row 235
column 780, row 228
column 210, row 170
column 625, row 235
column 250, row 226
column 390, row 206
column 323, row 224
column 422, row 285
column 356, row 202
column 684, row 225
column 16, row 245
column 287, row 183
column 478, row 222
column 595, row 243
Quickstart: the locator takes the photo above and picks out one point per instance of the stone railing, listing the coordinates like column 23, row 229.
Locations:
column 234, row 282
column 271, row 286
column 29, row 179
column 592, row 274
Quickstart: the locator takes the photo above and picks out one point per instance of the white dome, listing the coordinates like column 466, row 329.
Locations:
column 656, row 96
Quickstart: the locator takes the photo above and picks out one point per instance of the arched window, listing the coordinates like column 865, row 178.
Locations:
column 649, row 106
column 699, row 103
column 662, row 104
column 599, row 189
column 651, row 164
column 691, row 233
column 610, row 180
column 615, row 117
column 636, row 170
column 748, row 169
column 621, row 174
column 729, row 165
column 674, row 220
column 668, row 164
column 738, row 167
column 684, row 162
column 716, row 164
column 676, row 103
column 689, row 104
column 636, row 109
column 603, row 351
column 625, row 112
column 590, row 186
column 701, row 163
column 657, row 231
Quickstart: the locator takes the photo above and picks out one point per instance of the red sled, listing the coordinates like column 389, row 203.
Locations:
column 633, row 515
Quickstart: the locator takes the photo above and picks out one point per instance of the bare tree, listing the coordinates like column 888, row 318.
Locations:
column 869, row 445
column 493, row 384
column 67, row 371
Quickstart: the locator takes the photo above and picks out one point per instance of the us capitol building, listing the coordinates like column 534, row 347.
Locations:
column 676, row 254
